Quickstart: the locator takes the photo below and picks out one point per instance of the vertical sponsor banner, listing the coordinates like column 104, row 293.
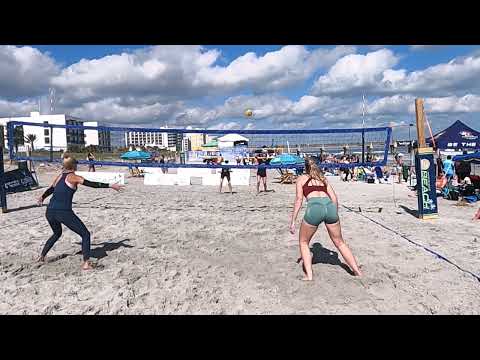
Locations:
column 3, row 193
column 426, row 191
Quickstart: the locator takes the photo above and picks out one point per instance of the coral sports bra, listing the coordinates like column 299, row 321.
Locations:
column 308, row 189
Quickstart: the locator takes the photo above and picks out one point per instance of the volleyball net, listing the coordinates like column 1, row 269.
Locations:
column 199, row 148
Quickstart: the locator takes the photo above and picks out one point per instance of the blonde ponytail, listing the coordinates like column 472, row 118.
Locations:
column 314, row 171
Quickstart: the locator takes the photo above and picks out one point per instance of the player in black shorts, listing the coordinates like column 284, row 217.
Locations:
column 225, row 174
column 91, row 159
column 261, row 174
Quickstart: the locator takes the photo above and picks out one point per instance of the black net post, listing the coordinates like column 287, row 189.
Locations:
column 3, row 193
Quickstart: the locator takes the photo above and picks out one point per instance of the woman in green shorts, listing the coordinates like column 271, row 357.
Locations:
column 322, row 206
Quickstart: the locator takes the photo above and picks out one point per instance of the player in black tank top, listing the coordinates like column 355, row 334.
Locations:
column 59, row 210
column 261, row 174
column 225, row 174
column 91, row 159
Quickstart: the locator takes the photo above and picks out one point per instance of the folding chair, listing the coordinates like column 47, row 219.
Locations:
column 288, row 177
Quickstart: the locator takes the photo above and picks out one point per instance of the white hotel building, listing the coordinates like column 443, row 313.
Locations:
column 162, row 140
column 60, row 138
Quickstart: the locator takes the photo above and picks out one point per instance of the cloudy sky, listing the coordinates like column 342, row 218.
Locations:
column 290, row 86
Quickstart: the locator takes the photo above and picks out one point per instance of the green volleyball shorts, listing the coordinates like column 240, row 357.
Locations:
column 320, row 209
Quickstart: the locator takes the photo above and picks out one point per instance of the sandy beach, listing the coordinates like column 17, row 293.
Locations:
column 191, row 250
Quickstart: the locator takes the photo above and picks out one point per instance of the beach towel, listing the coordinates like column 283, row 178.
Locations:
column 450, row 192
column 471, row 199
column 359, row 174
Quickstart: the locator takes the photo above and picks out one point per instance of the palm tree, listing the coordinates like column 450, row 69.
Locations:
column 31, row 138
column 18, row 138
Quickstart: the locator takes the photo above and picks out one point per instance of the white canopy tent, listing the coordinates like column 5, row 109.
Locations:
column 230, row 140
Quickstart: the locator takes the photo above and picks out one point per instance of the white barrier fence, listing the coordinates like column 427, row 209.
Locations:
column 186, row 176
column 105, row 177
column 165, row 179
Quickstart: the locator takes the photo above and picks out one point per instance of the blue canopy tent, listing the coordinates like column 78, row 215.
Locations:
column 456, row 137
column 474, row 157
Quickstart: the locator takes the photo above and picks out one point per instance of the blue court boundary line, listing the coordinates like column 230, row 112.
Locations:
column 417, row 244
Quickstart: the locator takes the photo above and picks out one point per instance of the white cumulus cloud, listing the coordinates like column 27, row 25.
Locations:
column 375, row 74
column 25, row 71
column 16, row 108
column 183, row 72
column 355, row 72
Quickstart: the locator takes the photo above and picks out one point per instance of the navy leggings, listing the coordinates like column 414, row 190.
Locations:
column 68, row 218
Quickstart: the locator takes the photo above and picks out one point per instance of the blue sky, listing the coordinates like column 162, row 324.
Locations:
column 287, row 86
column 69, row 54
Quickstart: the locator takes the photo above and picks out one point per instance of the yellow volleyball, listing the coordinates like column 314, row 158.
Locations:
column 249, row 113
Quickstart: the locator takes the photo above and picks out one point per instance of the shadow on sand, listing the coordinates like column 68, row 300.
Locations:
column 321, row 255
column 101, row 250
column 27, row 207
column 409, row 211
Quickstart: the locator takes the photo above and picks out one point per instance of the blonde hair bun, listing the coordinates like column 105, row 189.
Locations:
column 69, row 162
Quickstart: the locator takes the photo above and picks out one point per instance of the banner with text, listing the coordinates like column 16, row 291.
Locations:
column 426, row 190
column 18, row 180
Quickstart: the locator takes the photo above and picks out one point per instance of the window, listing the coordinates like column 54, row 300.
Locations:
column 46, row 132
column 47, row 140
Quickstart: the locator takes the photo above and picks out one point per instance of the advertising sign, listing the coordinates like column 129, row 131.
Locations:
column 18, row 180
column 426, row 190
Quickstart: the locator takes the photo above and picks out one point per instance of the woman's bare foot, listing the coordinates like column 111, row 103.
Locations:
column 477, row 215
column 299, row 260
column 307, row 279
column 41, row 259
column 357, row 273
column 87, row 266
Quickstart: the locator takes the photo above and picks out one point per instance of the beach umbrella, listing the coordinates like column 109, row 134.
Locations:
column 135, row 155
column 287, row 159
